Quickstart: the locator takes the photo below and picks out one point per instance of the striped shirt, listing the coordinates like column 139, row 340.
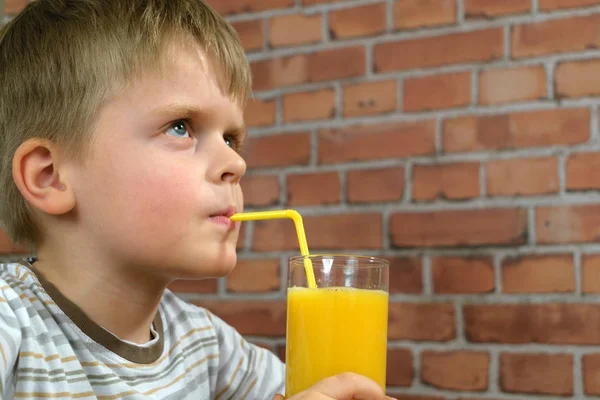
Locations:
column 50, row 349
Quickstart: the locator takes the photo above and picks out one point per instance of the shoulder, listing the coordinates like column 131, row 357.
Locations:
column 18, row 285
column 23, row 301
column 19, row 305
column 16, row 276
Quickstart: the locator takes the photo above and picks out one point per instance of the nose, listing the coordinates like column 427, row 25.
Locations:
column 236, row 169
column 229, row 166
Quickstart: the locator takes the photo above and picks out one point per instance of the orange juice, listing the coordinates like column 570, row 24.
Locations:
column 335, row 330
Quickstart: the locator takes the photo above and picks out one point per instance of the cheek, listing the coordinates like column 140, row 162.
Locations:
column 163, row 195
column 143, row 192
column 239, row 198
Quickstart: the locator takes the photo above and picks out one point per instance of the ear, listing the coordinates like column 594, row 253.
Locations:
column 36, row 170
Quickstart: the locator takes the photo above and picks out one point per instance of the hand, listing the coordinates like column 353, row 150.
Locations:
column 346, row 386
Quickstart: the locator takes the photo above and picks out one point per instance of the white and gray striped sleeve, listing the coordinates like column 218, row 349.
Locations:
column 246, row 371
column 10, row 338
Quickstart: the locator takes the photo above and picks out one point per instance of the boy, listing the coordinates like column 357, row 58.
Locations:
column 120, row 126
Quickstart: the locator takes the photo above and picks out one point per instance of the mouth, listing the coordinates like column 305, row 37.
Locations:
column 227, row 212
column 223, row 217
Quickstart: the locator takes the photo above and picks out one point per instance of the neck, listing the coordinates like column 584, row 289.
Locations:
column 118, row 299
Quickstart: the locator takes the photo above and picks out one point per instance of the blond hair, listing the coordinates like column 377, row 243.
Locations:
column 60, row 60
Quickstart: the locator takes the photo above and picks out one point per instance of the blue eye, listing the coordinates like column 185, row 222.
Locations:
column 228, row 141
column 178, row 129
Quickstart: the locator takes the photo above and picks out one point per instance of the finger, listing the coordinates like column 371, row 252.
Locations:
column 278, row 397
column 349, row 386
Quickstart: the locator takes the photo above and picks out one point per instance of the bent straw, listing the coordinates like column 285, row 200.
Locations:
column 297, row 218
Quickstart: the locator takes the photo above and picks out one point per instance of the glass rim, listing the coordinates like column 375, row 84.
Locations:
column 382, row 262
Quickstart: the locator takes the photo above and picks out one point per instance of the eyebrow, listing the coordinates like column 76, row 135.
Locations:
column 186, row 111
column 179, row 109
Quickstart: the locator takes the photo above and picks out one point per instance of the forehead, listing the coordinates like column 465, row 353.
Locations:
column 186, row 76
column 180, row 63
column 184, row 49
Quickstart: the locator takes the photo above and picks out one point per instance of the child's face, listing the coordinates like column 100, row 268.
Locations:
column 162, row 170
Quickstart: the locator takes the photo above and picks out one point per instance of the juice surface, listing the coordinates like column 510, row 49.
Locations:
column 335, row 330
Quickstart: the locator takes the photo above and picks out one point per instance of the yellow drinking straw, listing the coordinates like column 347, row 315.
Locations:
column 297, row 218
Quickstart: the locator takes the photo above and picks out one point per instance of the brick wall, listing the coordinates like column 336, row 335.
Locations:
column 457, row 138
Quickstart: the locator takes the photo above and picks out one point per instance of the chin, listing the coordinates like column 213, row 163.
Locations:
column 219, row 270
column 206, row 266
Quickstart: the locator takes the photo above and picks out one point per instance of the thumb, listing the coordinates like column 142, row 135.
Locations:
column 350, row 386
column 278, row 397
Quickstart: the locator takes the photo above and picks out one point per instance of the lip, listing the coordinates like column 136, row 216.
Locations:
column 226, row 212
column 223, row 217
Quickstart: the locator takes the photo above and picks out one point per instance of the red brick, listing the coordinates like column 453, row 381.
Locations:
column 445, row 181
column 252, row 276
column 476, row 398
column 358, row 21
column 557, row 4
column 454, row 275
column 322, row 66
column 421, row 321
column 567, row 126
column 591, row 373
column 313, row 189
column 260, row 190
column 554, row 323
column 370, row 98
column 556, row 36
column 406, row 275
column 482, row 45
column 416, row 397
column 250, row 33
column 505, row 85
column 456, row 370
column 14, row 6
column 244, row 6
column 313, row 2
column 260, row 112
column 522, row 176
column 475, row 9
column 410, row 14
column 7, row 246
column 399, row 367
column 286, row 30
column 250, row 317
column 537, row 373
column 459, row 228
column 203, row 286
column 568, row 224
column 379, row 185
column 577, row 78
column 582, row 171
column 279, row 72
column 373, row 142
column 345, row 231
column 340, row 63
column 305, row 106
column 277, row 150
column 539, row 274
column 590, row 273
column 437, row 91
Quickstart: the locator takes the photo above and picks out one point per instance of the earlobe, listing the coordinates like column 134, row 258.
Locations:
column 36, row 170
